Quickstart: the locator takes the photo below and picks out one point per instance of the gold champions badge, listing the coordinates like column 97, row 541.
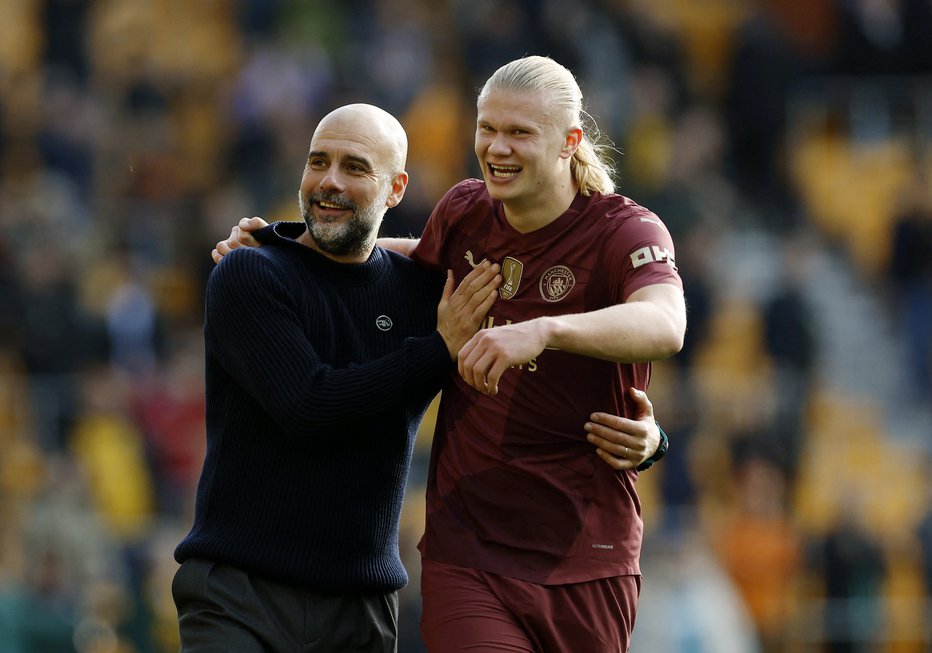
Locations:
column 511, row 277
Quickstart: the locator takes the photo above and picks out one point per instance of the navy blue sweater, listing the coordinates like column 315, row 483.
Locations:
column 317, row 374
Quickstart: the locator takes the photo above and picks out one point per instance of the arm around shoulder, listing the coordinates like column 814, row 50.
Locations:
column 402, row 246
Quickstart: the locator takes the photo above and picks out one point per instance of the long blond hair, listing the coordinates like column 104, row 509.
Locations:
column 592, row 166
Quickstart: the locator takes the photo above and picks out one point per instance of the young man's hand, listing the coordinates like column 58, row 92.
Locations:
column 240, row 236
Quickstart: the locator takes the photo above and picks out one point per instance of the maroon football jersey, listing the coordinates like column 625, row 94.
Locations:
column 515, row 488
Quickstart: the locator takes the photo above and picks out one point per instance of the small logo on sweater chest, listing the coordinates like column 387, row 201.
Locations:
column 383, row 322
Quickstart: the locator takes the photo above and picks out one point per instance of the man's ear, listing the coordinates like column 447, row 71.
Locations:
column 571, row 143
column 399, row 183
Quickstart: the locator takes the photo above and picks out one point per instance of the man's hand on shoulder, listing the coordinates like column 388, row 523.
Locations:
column 240, row 236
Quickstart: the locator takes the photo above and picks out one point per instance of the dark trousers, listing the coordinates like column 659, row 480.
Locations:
column 224, row 609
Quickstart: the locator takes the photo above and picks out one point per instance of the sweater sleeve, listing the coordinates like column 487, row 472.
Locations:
column 254, row 332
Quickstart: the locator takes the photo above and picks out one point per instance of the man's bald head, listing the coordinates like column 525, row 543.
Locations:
column 354, row 174
column 378, row 128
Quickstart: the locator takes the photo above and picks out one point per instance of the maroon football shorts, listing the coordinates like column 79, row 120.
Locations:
column 470, row 610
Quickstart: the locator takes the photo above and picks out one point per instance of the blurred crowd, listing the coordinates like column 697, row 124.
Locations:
column 786, row 143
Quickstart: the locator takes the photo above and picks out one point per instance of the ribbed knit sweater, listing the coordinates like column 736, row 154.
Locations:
column 317, row 375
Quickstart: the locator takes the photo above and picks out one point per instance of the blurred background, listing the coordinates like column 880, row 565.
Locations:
column 786, row 143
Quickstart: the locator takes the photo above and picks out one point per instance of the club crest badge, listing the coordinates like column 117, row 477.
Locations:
column 511, row 277
column 556, row 283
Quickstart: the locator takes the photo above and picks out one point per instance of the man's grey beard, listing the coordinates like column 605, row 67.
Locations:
column 355, row 236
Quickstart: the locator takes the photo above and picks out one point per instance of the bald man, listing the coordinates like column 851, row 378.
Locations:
column 310, row 426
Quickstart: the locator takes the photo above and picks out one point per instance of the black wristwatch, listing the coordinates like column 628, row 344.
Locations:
column 660, row 453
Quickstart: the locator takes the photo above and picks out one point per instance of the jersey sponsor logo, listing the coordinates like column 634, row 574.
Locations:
column 511, row 275
column 383, row 322
column 652, row 254
column 603, row 546
column 556, row 283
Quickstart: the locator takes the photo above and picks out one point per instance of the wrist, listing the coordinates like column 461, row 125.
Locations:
column 662, row 449
column 551, row 329
column 452, row 349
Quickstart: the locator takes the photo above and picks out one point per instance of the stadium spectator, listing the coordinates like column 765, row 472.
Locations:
column 910, row 270
column 851, row 563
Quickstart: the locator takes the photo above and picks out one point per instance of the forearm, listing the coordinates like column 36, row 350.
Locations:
column 635, row 331
column 308, row 398
column 325, row 398
column 283, row 370
column 401, row 245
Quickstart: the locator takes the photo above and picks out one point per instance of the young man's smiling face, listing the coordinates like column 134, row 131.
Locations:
column 521, row 147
